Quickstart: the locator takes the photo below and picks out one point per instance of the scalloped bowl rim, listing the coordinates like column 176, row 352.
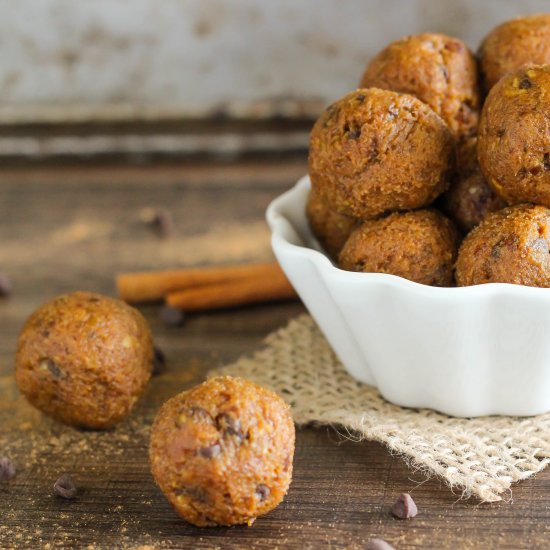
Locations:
column 279, row 223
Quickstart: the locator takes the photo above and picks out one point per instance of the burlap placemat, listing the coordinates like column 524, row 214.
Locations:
column 481, row 456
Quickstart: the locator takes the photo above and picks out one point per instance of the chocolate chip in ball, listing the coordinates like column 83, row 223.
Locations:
column 50, row 366
column 210, row 452
column 196, row 493
column 353, row 132
column 262, row 491
column 404, row 507
column 65, row 487
column 201, row 415
column 230, row 425
column 525, row 83
column 7, row 469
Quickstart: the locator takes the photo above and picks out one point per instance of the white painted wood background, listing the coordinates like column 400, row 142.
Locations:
column 80, row 59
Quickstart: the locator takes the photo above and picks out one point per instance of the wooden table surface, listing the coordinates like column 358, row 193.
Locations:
column 67, row 228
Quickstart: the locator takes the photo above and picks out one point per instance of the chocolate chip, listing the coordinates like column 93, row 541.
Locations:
column 262, row 491
column 194, row 414
column 355, row 133
column 360, row 98
column 495, row 251
column 159, row 220
column 195, row 493
column 51, row 366
column 7, row 469
column 5, row 286
column 210, row 452
column 379, row 544
column 201, row 415
column 393, row 112
column 230, row 425
column 522, row 172
column 159, row 360
column 172, row 316
column 546, row 161
column 404, row 507
column 64, row 487
column 525, row 83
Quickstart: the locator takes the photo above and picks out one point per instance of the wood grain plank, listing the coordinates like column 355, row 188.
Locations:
column 62, row 229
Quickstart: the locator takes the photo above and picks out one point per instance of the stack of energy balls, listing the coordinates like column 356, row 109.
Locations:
column 437, row 168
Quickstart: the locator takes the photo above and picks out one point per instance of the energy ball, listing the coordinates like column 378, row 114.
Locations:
column 509, row 246
column 375, row 151
column 222, row 451
column 84, row 359
column 514, row 143
column 331, row 229
column 420, row 246
column 513, row 44
column 470, row 199
column 439, row 70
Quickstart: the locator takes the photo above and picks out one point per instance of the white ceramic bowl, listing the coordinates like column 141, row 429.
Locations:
column 469, row 351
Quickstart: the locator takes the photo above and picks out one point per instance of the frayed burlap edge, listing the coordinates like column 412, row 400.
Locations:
column 481, row 456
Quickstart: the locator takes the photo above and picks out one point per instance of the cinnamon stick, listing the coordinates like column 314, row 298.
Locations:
column 154, row 285
column 233, row 293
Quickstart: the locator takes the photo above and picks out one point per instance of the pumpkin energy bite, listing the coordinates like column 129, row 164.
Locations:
column 509, row 246
column 438, row 69
column 470, row 198
column 222, row 451
column 376, row 151
column 513, row 44
column 514, row 142
column 420, row 246
column 84, row 359
column 331, row 229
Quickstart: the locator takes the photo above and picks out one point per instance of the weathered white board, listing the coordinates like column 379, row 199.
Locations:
column 80, row 59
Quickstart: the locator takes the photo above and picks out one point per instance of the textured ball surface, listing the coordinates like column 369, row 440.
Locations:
column 514, row 141
column 513, row 44
column 376, row 151
column 330, row 228
column 509, row 246
column 420, row 246
column 84, row 359
column 437, row 69
column 222, row 451
column 470, row 199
